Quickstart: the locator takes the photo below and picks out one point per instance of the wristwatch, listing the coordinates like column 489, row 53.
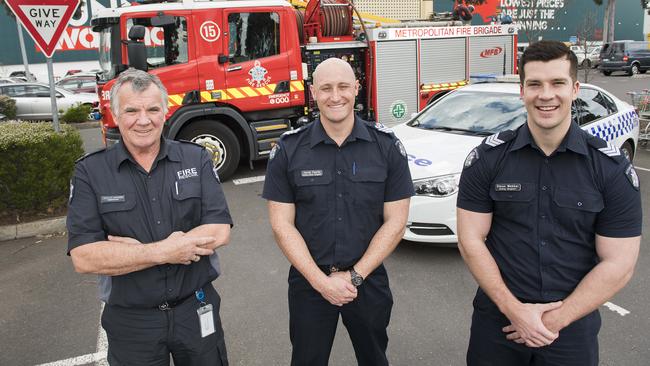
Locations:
column 357, row 279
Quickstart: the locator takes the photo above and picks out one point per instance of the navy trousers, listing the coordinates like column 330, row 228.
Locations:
column 577, row 344
column 313, row 321
column 149, row 336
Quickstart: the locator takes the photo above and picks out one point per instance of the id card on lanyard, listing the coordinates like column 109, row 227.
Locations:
column 206, row 318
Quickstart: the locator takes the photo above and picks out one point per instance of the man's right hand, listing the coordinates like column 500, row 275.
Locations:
column 337, row 289
column 179, row 248
column 527, row 326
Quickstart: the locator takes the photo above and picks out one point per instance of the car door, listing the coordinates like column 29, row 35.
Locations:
column 23, row 103
column 41, row 102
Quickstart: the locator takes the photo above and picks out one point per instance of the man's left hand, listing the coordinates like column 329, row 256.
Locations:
column 553, row 321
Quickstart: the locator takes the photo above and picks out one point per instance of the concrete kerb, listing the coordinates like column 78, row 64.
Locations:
column 34, row 228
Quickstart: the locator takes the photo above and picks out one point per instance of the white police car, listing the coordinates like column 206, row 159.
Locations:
column 439, row 138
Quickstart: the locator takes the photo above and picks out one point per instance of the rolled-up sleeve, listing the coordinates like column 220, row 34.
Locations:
column 84, row 221
column 214, row 208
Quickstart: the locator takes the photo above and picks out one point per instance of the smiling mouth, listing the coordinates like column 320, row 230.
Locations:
column 546, row 108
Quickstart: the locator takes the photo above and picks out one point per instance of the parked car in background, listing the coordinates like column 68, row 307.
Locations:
column 33, row 100
column 7, row 81
column 22, row 75
column 79, row 83
column 438, row 139
column 591, row 59
column 632, row 57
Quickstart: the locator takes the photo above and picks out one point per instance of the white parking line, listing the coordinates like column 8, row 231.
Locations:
column 248, row 180
column 639, row 168
column 99, row 357
column 615, row 308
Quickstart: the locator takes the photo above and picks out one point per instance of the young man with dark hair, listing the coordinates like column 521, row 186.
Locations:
column 549, row 224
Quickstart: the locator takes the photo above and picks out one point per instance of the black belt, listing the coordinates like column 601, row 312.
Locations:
column 168, row 305
column 331, row 268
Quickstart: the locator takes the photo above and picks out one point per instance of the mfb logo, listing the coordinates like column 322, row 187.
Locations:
column 489, row 52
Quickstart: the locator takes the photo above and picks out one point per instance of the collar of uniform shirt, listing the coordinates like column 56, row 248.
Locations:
column 574, row 140
column 122, row 154
column 318, row 134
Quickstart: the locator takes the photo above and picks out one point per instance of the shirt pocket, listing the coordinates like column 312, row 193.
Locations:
column 313, row 190
column 575, row 211
column 515, row 206
column 186, row 210
column 116, row 210
column 368, row 186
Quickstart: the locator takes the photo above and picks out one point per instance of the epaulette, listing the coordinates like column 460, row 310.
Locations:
column 192, row 142
column 499, row 138
column 293, row 132
column 90, row 153
column 380, row 127
column 604, row 147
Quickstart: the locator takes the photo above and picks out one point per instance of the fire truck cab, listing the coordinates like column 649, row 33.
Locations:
column 237, row 72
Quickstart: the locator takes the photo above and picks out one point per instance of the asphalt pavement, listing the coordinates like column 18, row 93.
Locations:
column 49, row 315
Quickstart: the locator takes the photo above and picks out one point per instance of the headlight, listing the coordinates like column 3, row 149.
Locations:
column 441, row 186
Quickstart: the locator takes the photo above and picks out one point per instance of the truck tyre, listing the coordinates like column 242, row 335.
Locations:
column 607, row 73
column 220, row 141
column 634, row 69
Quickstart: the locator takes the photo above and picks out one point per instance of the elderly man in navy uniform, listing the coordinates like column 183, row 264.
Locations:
column 338, row 192
column 549, row 224
column 147, row 214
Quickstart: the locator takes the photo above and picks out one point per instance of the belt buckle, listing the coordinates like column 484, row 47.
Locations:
column 164, row 306
column 334, row 269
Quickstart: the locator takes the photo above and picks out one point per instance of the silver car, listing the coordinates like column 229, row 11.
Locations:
column 33, row 100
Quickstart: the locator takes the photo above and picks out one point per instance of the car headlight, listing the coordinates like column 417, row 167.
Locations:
column 441, row 186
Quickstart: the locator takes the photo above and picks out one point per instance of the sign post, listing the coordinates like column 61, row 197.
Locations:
column 45, row 21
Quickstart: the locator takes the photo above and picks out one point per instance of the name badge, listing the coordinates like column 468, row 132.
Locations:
column 112, row 199
column 311, row 173
column 507, row 187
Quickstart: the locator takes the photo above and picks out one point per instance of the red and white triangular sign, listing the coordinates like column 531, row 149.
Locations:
column 44, row 20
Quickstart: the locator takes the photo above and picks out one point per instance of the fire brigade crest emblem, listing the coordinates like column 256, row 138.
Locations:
column 258, row 77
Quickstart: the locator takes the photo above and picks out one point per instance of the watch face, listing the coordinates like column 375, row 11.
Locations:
column 356, row 278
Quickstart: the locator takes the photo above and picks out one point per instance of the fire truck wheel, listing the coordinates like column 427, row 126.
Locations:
column 220, row 141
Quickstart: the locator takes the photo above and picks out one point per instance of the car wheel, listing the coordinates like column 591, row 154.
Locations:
column 634, row 69
column 219, row 140
column 607, row 73
column 627, row 151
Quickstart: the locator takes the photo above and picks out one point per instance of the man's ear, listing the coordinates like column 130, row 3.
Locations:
column 356, row 87
column 311, row 90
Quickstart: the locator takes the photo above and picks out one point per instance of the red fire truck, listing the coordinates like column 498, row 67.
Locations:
column 238, row 72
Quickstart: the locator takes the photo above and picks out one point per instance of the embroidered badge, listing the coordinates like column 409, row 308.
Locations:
column 400, row 147
column 274, row 151
column 187, row 173
column 71, row 191
column 631, row 175
column 216, row 174
column 507, row 187
column 471, row 158
column 258, row 77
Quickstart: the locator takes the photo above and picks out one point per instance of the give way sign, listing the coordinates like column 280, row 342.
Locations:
column 44, row 20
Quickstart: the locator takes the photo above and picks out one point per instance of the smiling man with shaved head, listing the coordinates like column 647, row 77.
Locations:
column 338, row 192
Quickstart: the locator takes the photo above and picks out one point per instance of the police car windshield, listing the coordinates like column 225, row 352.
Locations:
column 473, row 112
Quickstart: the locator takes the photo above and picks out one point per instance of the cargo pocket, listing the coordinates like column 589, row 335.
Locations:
column 187, row 211
column 116, row 210
column 368, row 186
column 515, row 206
column 575, row 211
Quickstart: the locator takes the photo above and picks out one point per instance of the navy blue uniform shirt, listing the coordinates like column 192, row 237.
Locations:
column 112, row 195
column 546, row 211
column 338, row 192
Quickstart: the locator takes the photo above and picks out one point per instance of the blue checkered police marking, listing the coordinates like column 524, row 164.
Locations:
column 616, row 126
